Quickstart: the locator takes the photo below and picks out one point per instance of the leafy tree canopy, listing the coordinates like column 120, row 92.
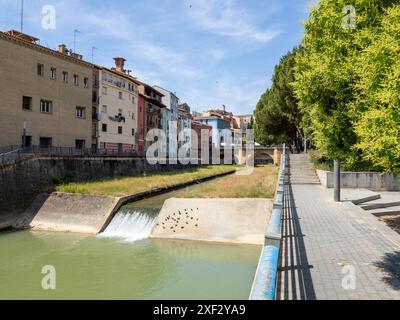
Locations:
column 277, row 115
column 347, row 82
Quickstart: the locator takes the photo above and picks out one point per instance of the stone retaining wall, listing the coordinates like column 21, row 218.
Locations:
column 22, row 182
column 366, row 180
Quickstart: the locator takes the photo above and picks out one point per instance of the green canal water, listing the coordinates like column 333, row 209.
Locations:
column 113, row 267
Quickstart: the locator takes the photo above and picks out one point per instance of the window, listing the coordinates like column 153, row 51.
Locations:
column 120, row 112
column 76, row 80
column 27, row 103
column 53, row 73
column 80, row 112
column 104, row 91
column 46, row 106
column 104, row 76
column 133, row 100
column 45, row 142
column 86, row 82
column 104, row 127
column 104, row 110
column 80, row 144
column 133, row 132
column 40, row 70
column 119, row 130
column 65, row 76
column 133, row 116
column 120, row 95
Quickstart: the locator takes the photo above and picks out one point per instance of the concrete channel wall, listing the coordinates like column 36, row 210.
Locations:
column 22, row 181
column 75, row 213
column 239, row 221
column 264, row 285
column 365, row 180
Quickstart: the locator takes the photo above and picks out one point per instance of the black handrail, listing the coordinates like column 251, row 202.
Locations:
column 11, row 154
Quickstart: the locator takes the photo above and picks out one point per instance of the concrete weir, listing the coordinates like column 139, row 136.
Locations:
column 63, row 212
column 241, row 221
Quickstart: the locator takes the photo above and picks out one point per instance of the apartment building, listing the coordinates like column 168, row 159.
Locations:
column 170, row 113
column 244, row 121
column 171, row 101
column 151, row 100
column 198, row 127
column 47, row 92
column 95, row 107
column 184, row 122
column 118, row 103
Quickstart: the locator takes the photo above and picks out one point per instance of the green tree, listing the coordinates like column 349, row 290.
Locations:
column 277, row 115
column 340, row 73
column 378, row 96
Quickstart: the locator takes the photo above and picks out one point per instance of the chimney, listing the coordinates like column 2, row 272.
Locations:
column 119, row 64
column 223, row 108
column 62, row 48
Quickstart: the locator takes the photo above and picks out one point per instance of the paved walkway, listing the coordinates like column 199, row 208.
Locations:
column 323, row 239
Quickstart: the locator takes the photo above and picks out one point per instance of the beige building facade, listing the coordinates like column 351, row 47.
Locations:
column 118, row 109
column 49, row 92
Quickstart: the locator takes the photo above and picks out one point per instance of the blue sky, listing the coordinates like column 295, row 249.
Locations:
column 210, row 52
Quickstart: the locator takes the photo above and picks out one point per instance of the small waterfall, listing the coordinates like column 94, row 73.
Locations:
column 130, row 226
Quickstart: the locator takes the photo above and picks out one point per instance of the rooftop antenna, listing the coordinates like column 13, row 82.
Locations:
column 76, row 31
column 22, row 15
column 93, row 48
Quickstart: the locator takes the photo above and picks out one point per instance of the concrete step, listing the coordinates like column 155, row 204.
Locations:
column 301, row 171
column 392, row 211
column 304, row 183
column 366, row 199
column 304, row 179
column 381, row 205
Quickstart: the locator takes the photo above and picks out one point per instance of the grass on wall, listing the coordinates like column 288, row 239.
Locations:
column 260, row 184
column 124, row 186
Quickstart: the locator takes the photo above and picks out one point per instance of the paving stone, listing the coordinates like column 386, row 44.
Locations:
column 322, row 237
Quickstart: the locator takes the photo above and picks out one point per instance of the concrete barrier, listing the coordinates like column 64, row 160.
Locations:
column 241, row 221
column 265, row 281
column 64, row 212
column 264, row 284
column 363, row 180
column 273, row 235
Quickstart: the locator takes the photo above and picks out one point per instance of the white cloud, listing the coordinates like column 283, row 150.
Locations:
column 238, row 96
column 168, row 61
column 217, row 54
column 133, row 37
column 226, row 18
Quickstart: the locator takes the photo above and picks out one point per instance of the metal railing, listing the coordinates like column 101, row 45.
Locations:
column 264, row 285
column 12, row 154
column 9, row 149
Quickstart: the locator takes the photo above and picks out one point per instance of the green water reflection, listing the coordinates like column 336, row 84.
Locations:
column 99, row 268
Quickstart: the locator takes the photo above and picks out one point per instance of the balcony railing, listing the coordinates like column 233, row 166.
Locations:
column 50, row 151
